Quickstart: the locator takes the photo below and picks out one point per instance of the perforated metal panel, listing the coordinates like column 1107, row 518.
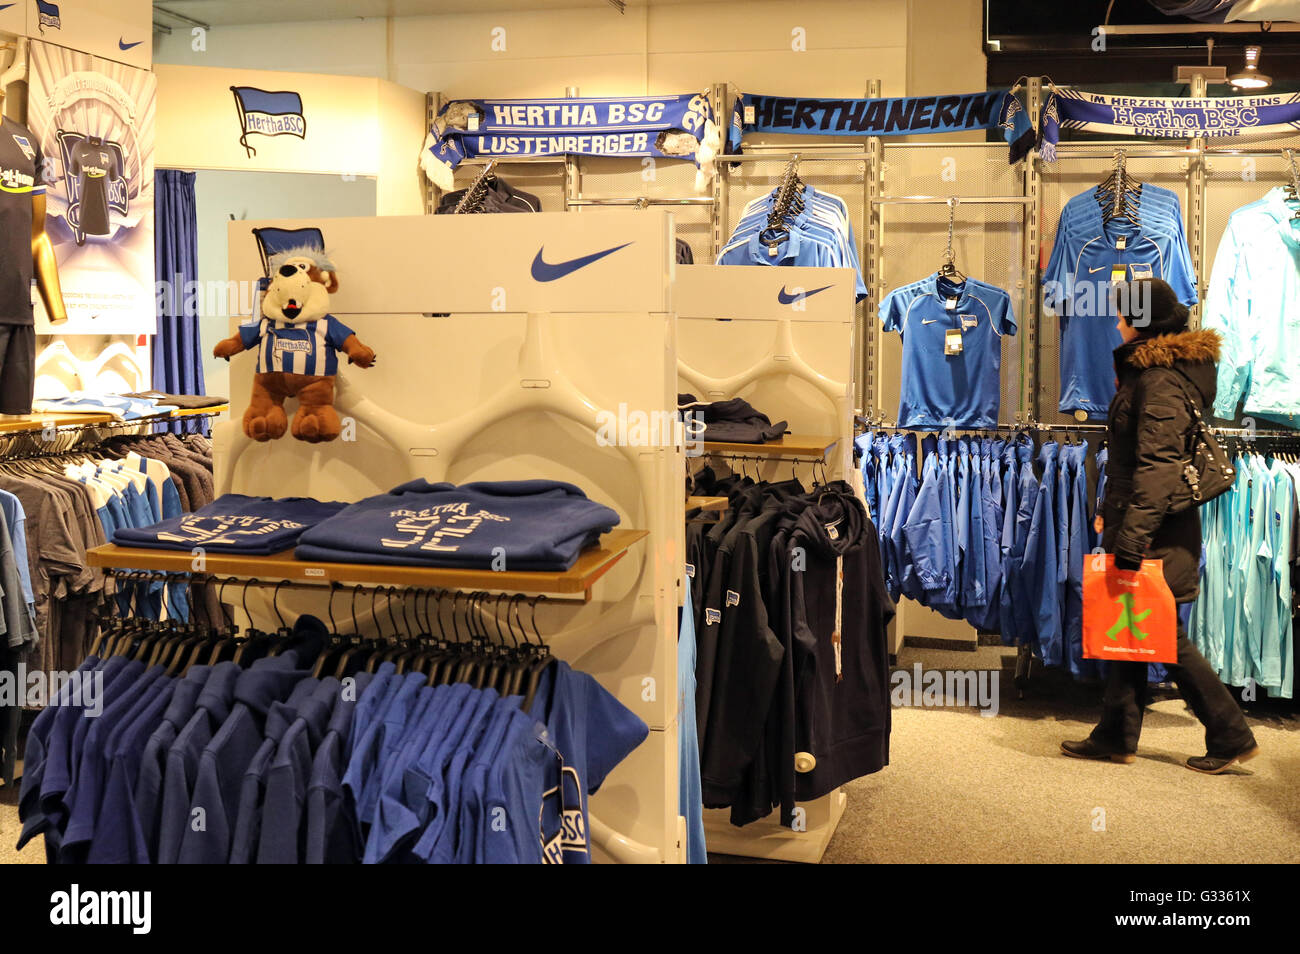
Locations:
column 1234, row 181
column 1061, row 181
column 628, row 178
column 543, row 179
column 987, row 239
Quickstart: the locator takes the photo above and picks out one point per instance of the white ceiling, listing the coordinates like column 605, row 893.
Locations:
column 229, row 12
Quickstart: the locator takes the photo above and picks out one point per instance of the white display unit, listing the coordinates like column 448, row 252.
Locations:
column 782, row 338
column 493, row 367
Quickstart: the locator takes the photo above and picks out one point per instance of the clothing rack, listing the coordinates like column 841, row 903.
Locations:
column 786, row 194
column 1118, row 184
column 35, row 442
column 472, row 200
column 477, row 600
column 641, row 202
column 948, row 199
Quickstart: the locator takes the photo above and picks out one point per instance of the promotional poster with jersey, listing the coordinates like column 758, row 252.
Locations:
column 94, row 120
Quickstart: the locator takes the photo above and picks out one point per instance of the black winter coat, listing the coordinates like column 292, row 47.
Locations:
column 1149, row 428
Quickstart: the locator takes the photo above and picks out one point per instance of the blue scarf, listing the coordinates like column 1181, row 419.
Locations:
column 1166, row 117
column 905, row 116
column 667, row 127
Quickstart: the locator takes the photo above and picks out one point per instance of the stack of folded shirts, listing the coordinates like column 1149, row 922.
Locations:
column 124, row 407
column 234, row 523
column 734, row 421
column 498, row 525
column 187, row 401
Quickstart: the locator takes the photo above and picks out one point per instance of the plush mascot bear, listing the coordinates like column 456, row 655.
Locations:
column 297, row 343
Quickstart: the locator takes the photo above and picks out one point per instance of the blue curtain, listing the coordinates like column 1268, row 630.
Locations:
column 177, row 350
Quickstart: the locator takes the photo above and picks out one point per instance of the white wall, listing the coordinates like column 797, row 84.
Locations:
column 663, row 48
column 220, row 195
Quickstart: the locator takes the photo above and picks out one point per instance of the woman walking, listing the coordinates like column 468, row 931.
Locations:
column 1160, row 365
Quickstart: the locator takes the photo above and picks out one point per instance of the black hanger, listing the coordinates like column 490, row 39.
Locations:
column 351, row 651
column 543, row 659
column 284, row 635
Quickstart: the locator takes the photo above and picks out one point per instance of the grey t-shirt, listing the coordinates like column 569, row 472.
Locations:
column 55, row 552
column 19, row 626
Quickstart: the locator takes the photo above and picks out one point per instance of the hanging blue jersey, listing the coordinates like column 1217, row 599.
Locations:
column 952, row 351
column 1077, row 286
column 306, row 347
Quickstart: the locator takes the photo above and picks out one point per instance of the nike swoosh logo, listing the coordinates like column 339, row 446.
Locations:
column 785, row 298
column 1094, row 271
column 544, row 271
column 928, row 321
column 123, row 45
column 5, row 6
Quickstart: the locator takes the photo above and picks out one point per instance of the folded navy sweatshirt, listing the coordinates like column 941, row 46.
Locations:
column 234, row 523
column 502, row 525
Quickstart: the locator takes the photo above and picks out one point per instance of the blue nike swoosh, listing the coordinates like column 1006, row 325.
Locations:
column 5, row 6
column 123, row 45
column 785, row 298
column 544, row 271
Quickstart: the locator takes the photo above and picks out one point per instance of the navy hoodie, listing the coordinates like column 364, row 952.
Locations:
column 233, row 523
column 510, row 525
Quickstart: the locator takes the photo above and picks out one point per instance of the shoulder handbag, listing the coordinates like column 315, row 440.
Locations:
column 1207, row 471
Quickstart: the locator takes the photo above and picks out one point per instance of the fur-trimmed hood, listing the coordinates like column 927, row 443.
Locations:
column 1162, row 351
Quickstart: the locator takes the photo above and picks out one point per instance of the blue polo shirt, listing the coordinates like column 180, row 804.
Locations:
column 474, row 781
column 252, row 790
column 592, row 732
column 332, row 836
column 404, row 801
column 153, row 761
column 940, row 387
column 118, row 836
column 284, row 833
column 438, row 842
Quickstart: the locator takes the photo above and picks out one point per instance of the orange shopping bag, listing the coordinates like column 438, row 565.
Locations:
column 1128, row 616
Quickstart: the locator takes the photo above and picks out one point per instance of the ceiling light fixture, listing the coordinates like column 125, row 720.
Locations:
column 1251, row 77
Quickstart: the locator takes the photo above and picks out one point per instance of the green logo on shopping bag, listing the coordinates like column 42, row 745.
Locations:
column 1127, row 618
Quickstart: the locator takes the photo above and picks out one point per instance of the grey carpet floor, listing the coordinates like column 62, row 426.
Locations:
column 962, row 787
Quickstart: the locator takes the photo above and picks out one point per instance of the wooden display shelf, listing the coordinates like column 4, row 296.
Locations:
column 592, row 564
column 790, row 445
column 14, row 423
column 707, row 503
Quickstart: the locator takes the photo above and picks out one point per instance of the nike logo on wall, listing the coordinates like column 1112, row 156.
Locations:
column 123, row 45
column 5, row 6
column 785, row 298
column 544, row 271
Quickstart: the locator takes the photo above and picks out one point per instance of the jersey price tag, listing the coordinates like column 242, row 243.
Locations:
column 1122, row 243
column 1118, row 273
column 949, row 304
column 952, row 341
column 749, row 115
column 471, row 122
